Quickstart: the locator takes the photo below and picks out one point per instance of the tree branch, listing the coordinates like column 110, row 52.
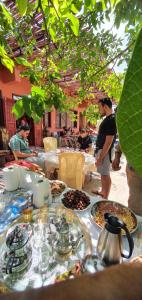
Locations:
column 46, row 30
column 114, row 58
column 54, row 8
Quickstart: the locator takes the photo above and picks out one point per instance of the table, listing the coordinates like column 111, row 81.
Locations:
column 94, row 233
column 94, row 230
column 52, row 161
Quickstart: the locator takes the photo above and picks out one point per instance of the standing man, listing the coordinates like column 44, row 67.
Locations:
column 104, row 145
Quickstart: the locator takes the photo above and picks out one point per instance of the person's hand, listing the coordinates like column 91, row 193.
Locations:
column 116, row 164
column 36, row 153
column 98, row 162
column 86, row 150
column 33, row 154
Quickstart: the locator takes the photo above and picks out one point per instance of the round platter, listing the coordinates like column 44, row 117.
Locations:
column 76, row 200
column 49, row 259
column 57, row 188
column 122, row 212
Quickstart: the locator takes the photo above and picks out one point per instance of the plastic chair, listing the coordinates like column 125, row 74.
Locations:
column 50, row 143
column 71, row 169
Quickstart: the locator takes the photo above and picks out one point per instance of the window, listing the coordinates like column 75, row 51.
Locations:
column 16, row 97
column 75, row 122
column 61, row 120
column 1, row 112
column 47, row 119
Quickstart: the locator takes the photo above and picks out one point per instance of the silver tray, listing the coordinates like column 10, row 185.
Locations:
column 119, row 210
column 47, row 264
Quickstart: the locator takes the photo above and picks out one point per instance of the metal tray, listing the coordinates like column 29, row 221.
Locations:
column 115, row 208
column 47, row 264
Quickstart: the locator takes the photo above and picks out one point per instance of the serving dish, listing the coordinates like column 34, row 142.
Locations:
column 119, row 210
column 57, row 188
column 76, row 200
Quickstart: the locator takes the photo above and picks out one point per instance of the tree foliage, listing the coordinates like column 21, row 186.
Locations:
column 74, row 41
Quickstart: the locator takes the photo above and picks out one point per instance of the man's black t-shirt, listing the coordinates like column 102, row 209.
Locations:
column 84, row 142
column 107, row 127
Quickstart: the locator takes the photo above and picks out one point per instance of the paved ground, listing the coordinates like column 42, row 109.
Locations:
column 119, row 189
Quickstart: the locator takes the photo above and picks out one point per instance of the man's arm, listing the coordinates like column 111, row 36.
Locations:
column 105, row 149
column 15, row 146
column 20, row 154
column 116, row 162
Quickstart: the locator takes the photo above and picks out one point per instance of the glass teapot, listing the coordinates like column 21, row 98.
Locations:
column 65, row 244
column 110, row 244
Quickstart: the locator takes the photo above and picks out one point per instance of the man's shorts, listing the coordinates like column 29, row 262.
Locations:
column 104, row 169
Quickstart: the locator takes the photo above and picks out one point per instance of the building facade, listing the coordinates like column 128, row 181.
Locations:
column 12, row 86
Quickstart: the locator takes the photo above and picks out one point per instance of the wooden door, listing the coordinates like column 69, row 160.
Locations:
column 10, row 120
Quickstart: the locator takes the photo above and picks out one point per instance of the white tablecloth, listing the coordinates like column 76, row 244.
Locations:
column 94, row 230
column 52, row 161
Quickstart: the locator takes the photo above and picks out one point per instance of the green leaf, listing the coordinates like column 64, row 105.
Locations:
column 27, row 105
column 74, row 23
column 6, row 13
column 52, row 33
column 129, row 115
column 23, row 61
column 38, row 90
column 36, row 118
column 74, row 9
column 8, row 63
column 88, row 3
column 22, row 6
column 18, row 109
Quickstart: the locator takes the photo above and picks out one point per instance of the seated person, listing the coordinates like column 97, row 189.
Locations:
column 19, row 144
column 84, row 141
column 63, row 135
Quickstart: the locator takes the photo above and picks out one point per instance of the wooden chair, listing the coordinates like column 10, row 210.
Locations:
column 71, row 169
column 50, row 143
column 14, row 154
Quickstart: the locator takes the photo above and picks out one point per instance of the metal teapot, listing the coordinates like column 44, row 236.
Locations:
column 109, row 242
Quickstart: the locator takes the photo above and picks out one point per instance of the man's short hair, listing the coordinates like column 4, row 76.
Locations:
column 106, row 101
column 82, row 130
column 25, row 127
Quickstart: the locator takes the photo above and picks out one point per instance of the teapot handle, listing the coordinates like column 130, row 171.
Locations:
column 130, row 242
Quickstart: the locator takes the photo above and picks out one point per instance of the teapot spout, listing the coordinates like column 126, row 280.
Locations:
column 76, row 243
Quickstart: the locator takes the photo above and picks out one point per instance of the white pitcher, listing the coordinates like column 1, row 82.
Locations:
column 41, row 193
column 11, row 178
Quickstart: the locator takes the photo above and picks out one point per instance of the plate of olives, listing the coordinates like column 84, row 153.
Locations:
column 76, row 200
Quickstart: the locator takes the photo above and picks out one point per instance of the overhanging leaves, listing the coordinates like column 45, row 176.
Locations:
column 18, row 109
column 129, row 115
column 22, row 6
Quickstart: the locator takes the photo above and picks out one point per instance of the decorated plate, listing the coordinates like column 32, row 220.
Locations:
column 57, row 188
column 76, row 200
column 120, row 211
